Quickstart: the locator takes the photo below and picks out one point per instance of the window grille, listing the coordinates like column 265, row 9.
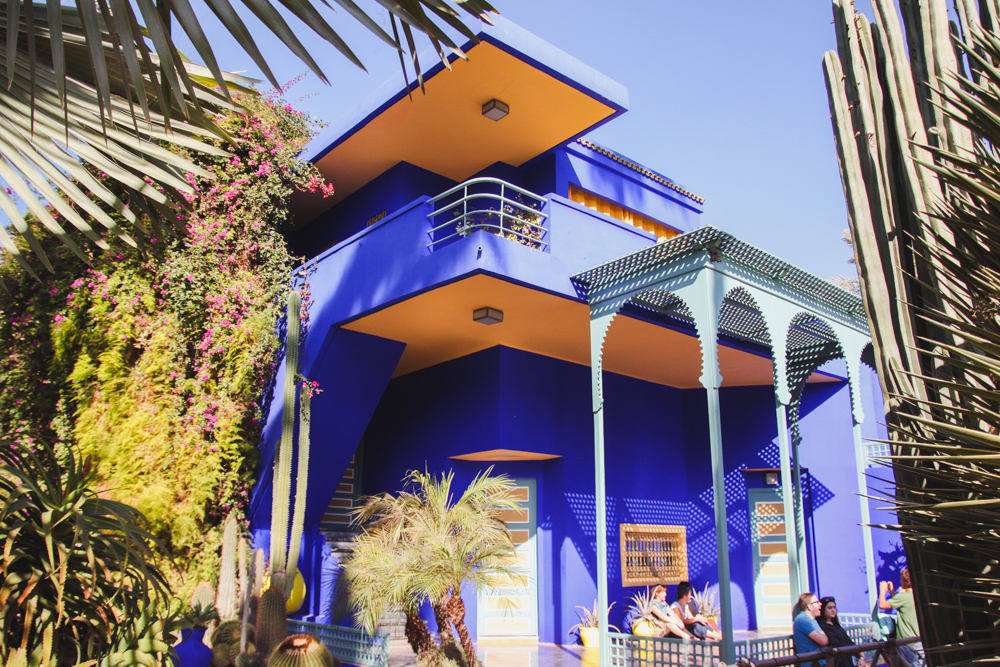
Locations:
column 653, row 554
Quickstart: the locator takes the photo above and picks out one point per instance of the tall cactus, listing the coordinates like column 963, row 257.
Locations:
column 272, row 626
column 258, row 573
column 916, row 139
column 282, row 480
column 226, row 602
column 299, row 513
column 284, row 564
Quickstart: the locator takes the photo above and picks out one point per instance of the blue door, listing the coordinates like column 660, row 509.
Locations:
column 510, row 608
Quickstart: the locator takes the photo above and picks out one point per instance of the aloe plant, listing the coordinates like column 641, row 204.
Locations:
column 72, row 561
column 916, row 138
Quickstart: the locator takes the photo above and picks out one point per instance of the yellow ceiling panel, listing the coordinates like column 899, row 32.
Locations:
column 437, row 326
column 444, row 130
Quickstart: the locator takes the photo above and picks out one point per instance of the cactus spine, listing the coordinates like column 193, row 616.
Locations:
column 302, row 475
column 203, row 596
column 302, row 651
column 282, row 480
column 258, row 573
column 272, row 628
column 225, row 599
column 246, row 591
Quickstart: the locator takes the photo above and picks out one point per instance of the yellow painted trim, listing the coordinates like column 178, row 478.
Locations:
column 505, row 455
column 444, row 130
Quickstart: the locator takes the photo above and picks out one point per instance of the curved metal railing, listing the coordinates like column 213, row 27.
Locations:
column 490, row 204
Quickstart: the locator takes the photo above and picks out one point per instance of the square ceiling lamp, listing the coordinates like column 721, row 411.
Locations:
column 495, row 109
column 487, row 316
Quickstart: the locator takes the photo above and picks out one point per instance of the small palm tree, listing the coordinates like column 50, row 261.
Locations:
column 422, row 545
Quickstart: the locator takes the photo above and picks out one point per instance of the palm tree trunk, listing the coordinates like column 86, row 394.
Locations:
column 441, row 616
column 456, row 614
column 417, row 634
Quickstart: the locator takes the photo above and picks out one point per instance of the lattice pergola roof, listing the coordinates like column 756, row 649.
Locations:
column 739, row 316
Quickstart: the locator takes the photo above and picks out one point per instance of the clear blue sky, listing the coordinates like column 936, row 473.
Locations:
column 726, row 97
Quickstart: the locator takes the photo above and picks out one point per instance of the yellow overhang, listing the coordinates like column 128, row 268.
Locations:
column 445, row 131
column 437, row 326
column 505, row 455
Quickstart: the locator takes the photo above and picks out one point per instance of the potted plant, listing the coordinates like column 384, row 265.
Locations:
column 707, row 607
column 641, row 613
column 588, row 628
column 192, row 651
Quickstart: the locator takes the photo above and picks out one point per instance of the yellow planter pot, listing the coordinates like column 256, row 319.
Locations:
column 644, row 629
column 298, row 596
column 590, row 636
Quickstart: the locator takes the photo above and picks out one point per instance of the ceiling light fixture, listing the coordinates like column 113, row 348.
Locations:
column 495, row 109
column 487, row 316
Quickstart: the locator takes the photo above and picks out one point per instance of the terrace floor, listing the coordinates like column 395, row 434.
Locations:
column 525, row 653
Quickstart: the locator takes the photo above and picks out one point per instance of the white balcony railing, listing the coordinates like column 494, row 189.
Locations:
column 491, row 205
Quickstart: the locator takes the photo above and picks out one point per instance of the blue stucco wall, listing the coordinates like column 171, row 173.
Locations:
column 550, row 174
column 658, row 470
column 389, row 192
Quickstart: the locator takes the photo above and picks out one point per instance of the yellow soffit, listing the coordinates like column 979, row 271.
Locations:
column 445, row 131
column 437, row 326
column 505, row 455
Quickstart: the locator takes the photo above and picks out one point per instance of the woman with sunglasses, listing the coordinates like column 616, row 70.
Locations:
column 835, row 634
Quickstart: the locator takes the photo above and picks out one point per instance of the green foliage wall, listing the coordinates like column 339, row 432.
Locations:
column 154, row 362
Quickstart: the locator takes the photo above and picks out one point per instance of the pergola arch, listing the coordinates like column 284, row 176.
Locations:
column 732, row 287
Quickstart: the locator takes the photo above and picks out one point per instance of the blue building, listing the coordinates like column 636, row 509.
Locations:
column 490, row 288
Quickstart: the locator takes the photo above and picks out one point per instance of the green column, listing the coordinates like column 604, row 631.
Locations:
column 800, row 522
column 787, row 498
column 711, row 379
column 598, row 330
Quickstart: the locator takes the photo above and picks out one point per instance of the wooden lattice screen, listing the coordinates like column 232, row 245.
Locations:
column 653, row 554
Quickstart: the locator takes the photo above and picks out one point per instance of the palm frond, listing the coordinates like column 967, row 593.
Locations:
column 99, row 86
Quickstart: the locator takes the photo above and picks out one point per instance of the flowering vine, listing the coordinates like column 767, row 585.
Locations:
column 154, row 362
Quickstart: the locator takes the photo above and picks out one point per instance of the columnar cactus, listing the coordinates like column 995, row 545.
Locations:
column 226, row 601
column 272, row 627
column 284, row 561
column 203, row 596
column 282, row 479
column 298, row 516
column 913, row 97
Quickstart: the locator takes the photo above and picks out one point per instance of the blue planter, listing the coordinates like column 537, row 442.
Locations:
column 192, row 652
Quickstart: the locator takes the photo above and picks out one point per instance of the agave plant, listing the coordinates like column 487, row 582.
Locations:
column 917, row 141
column 706, row 602
column 75, row 568
column 641, row 609
column 591, row 618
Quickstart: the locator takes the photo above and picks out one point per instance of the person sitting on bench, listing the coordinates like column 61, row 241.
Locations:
column 666, row 622
column 693, row 621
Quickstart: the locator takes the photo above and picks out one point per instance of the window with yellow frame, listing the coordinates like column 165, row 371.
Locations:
column 619, row 213
column 653, row 554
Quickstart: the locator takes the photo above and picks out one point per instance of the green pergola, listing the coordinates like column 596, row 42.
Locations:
column 711, row 281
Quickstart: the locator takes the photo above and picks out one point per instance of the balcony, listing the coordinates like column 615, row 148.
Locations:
column 491, row 205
